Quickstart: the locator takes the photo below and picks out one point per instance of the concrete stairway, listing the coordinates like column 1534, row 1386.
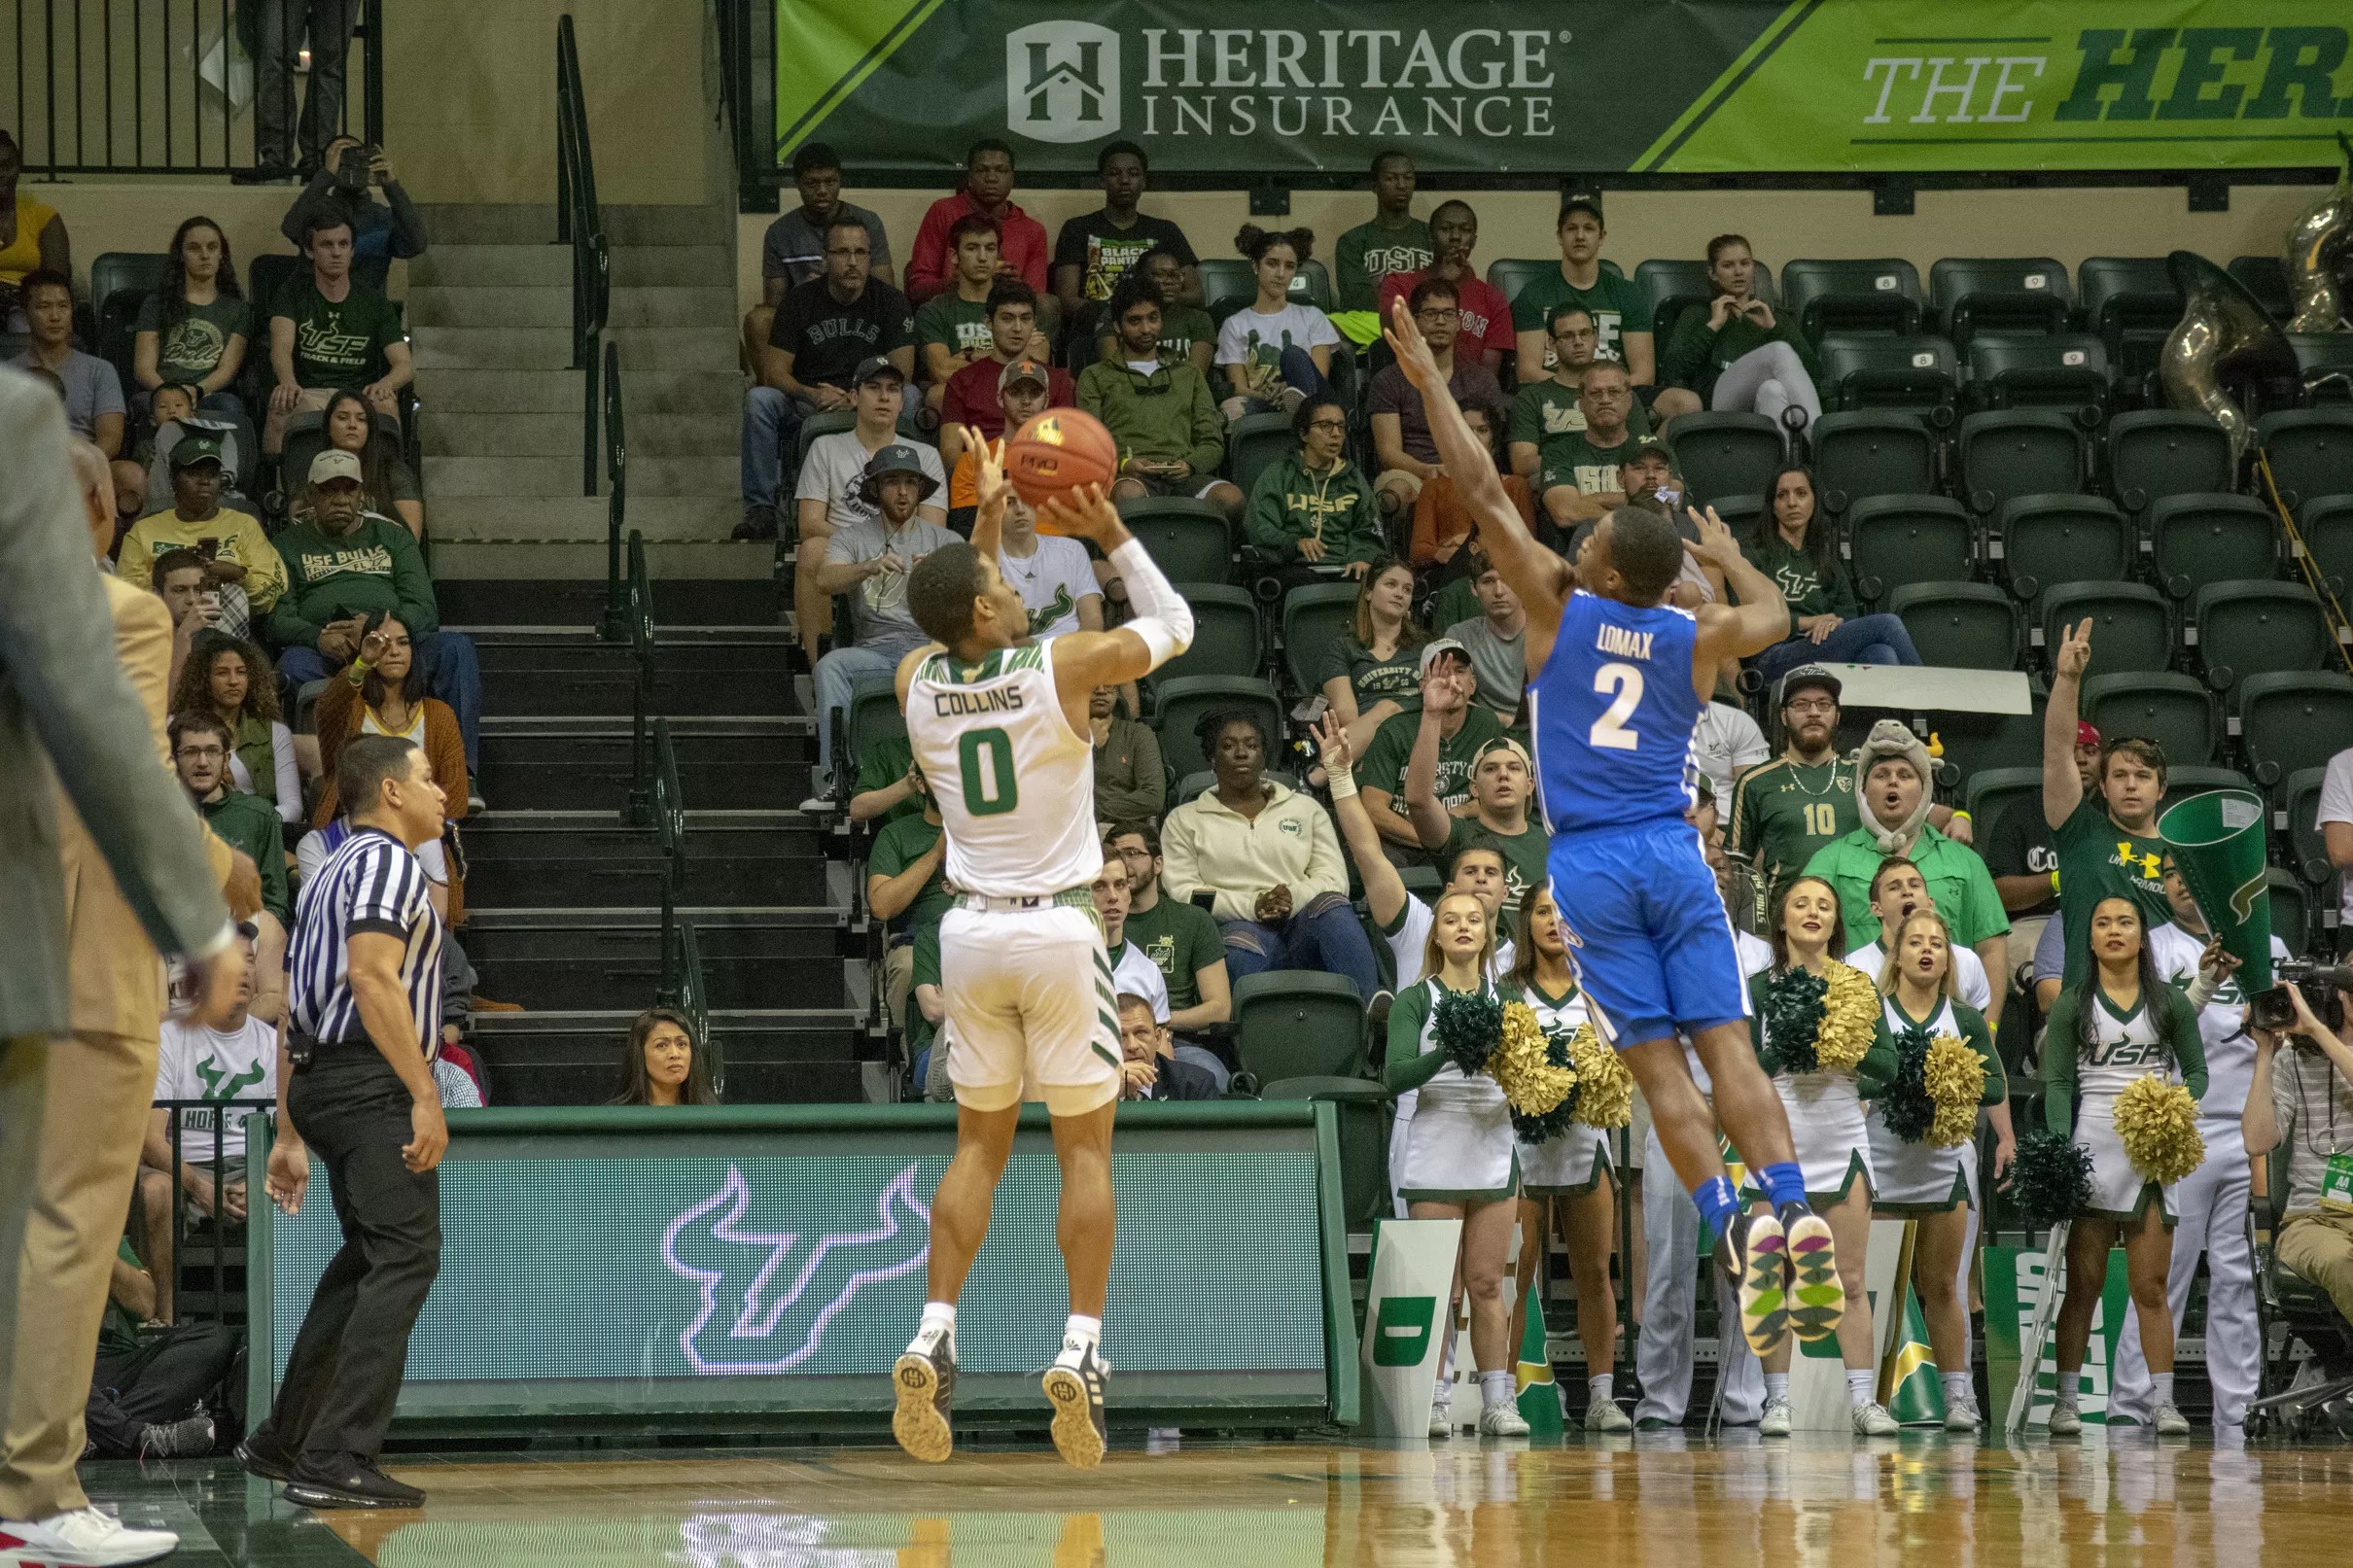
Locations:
column 490, row 319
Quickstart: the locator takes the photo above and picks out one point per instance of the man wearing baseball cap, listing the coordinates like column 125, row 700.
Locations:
column 1451, row 725
column 975, row 395
column 1788, row 808
column 1620, row 310
column 1023, row 389
column 869, row 559
column 1502, row 794
column 240, row 564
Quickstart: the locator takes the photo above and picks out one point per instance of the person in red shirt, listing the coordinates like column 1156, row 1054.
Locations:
column 1487, row 316
column 1022, row 249
column 973, row 393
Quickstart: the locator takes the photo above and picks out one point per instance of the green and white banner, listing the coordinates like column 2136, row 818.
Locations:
column 1548, row 87
column 2015, row 1283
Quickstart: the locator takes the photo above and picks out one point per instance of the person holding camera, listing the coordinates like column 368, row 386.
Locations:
column 2303, row 1096
column 381, row 231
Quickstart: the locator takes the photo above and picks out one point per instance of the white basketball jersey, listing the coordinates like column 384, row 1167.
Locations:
column 1016, row 785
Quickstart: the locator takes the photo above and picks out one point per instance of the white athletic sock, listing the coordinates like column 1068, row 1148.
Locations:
column 1957, row 1388
column 1777, row 1386
column 940, row 1315
column 1086, row 1331
column 1600, row 1389
column 1858, row 1385
column 2067, row 1390
column 2160, row 1386
column 1498, row 1388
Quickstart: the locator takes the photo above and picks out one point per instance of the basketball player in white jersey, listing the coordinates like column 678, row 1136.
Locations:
column 999, row 725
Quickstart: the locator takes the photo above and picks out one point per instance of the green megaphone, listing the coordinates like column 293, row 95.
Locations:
column 2216, row 840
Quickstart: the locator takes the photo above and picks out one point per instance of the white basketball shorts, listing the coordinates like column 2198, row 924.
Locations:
column 1031, row 1013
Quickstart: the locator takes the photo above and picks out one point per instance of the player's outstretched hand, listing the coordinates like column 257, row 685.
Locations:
column 1716, row 546
column 1414, row 357
column 1086, row 513
column 2074, row 655
column 1331, row 743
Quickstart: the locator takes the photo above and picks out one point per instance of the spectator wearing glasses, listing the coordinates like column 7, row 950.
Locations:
column 662, row 1064
column 200, row 747
column 1313, row 515
column 1096, row 250
column 1187, row 334
column 1734, row 353
column 1485, row 330
column 1180, row 937
column 1275, row 351
column 1620, row 310
column 1581, row 483
column 1551, row 409
column 1393, row 241
column 831, row 493
column 1791, row 544
column 232, row 682
column 1159, row 413
column 987, row 191
column 329, row 331
column 823, row 332
column 793, row 251
column 952, row 328
column 193, row 332
column 1401, row 431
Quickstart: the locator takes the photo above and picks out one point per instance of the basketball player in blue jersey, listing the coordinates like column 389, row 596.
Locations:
column 1617, row 682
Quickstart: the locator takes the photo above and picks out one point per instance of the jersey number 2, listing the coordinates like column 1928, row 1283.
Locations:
column 988, row 786
column 1609, row 732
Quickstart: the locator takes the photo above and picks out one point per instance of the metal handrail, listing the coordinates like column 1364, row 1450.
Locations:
column 580, row 222
column 616, row 507
column 637, row 621
column 754, row 142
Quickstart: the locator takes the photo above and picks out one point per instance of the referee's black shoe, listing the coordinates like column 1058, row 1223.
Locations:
column 349, row 1482
column 265, row 1460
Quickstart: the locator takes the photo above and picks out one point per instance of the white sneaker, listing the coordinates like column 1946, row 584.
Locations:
column 1775, row 1422
column 1871, row 1420
column 1962, row 1416
column 84, row 1538
column 1502, row 1419
column 1442, row 1419
column 2169, row 1421
column 2066, row 1422
column 818, row 806
column 1603, row 1415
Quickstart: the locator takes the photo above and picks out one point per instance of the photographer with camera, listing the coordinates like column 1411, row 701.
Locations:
column 2303, row 1094
column 381, row 231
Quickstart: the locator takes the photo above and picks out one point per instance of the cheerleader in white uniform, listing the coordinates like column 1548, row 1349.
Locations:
column 2119, row 1023
column 1567, row 1180
column 1919, row 1181
column 1827, row 1123
column 1461, row 1157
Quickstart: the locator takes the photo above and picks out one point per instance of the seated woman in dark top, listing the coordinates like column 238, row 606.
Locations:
column 662, row 1063
column 1372, row 671
column 1793, row 546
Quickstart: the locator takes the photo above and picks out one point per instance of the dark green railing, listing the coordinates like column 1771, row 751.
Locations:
column 683, row 985
column 636, row 624
column 580, row 223
column 751, row 128
column 615, row 626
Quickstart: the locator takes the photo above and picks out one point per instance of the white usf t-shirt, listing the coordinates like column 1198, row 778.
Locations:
column 196, row 1063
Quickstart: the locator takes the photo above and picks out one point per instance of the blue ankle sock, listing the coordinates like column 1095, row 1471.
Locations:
column 1785, row 1184
column 1717, row 1204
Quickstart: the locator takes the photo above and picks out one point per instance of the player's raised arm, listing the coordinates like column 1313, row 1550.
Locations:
column 1162, row 626
column 1540, row 578
column 1760, row 619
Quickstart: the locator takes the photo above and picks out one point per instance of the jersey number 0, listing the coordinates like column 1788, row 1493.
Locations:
column 990, row 789
column 1609, row 732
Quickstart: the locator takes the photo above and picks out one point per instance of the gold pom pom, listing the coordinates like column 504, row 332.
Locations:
column 2157, row 1123
column 1956, row 1076
column 1531, row 1084
column 1605, row 1089
column 1850, row 1013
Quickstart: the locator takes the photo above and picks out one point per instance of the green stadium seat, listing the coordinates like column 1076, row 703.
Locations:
column 1225, row 632
column 1974, row 293
column 873, row 716
column 2326, row 523
column 1727, row 454
column 1988, row 792
column 1187, row 700
column 1741, row 513
column 1190, row 540
column 1226, row 277
column 2184, row 779
column 2153, row 453
column 2038, row 370
column 2310, row 451
column 2131, row 627
column 1920, row 373
column 1853, row 296
column 2062, row 538
column 2172, row 709
column 824, row 422
column 2020, row 452
column 2290, row 724
column 2214, row 538
column 2325, row 360
column 1960, row 625
column 1299, row 1023
column 117, row 341
column 265, row 275
column 1363, row 1109
column 2292, row 910
column 131, row 272
column 1312, row 284
column 1867, row 452
column 2296, row 824
column 2133, row 302
column 1254, row 442
column 2266, row 278
column 1978, row 743
column 1314, row 617
column 1894, row 541
column 2256, row 628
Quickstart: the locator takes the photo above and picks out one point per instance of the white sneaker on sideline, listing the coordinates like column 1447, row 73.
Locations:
column 1871, row 1420
column 1442, row 1419
column 2066, row 1422
column 84, row 1538
column 1502, row 1419
column 1605, row 1415
column 1775, row 1422
column 1962, row 1416
column 2169, row 1421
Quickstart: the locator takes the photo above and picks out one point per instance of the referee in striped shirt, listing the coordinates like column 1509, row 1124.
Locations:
column 365, row 1009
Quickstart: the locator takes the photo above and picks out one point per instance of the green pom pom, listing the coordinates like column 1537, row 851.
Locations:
column 1906, row 1107
column 1793, row 1016
column 1562, row 1117
column 1468, row 1027
column 2051, row 1178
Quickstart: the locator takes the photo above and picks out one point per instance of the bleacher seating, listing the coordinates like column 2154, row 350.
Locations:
column 2199, row 538
column 1897, row 540
column 2038, row 370
column 1726, row 454
column 2131, row 627
column 2156, row 453
column 1862, row 453
column 2131, row 302
column 1853, row 296
column 2173, row 709
column 2266, row 278
column 1188, row 540
column 2290, row 722
column 1225, row 632
column 1960, row 625
column 1299, row 1023
column 2326, row 524
column 2049, row 539
column 1881, row 370
column 2310, row 451
column 1314, row 617
column 2325, row 360
column 1983, row 293
column 1252, row 442
column 2251, row 628
column 2020, row 452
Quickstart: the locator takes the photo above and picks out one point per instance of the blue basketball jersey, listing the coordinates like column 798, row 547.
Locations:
column 1614, row 716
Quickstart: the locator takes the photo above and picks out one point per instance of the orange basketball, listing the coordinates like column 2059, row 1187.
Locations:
column 1057, row 452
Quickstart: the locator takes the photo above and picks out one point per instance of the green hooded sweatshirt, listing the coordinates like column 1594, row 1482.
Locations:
column 1291, row 503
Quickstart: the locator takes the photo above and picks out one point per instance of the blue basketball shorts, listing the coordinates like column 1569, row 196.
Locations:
column 1648, row 938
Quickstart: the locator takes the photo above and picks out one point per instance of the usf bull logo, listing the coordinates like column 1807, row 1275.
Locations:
column 766, row 1297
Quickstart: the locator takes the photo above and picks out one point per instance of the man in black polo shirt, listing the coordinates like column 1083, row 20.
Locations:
column 823, row 332
column 365, row 983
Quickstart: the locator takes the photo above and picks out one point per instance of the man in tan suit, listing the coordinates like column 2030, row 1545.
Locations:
column 103, row 864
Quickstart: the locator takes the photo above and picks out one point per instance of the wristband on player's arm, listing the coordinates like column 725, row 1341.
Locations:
column 1163, row 620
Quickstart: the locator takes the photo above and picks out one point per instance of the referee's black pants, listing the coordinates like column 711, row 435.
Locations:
column 345, row 1370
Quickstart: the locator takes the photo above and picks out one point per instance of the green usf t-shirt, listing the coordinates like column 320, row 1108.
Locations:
column 1370, row 252
column 1396, row 678
column 1590, row 470
column 1525, row 854
column 1545, row 413
column 1782, row 813
column 339, row 343
column 1384, row 764
column 190, row 349
column 1618, row 307
column 1181, row 940
column 2098, row 859
column 960, row 325
column 900, row 845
